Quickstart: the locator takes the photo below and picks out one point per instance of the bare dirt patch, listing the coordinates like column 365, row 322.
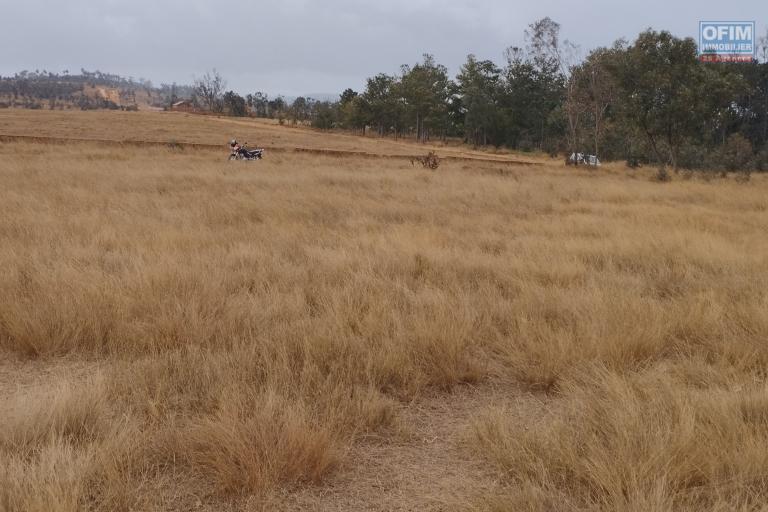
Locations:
column 426, row 465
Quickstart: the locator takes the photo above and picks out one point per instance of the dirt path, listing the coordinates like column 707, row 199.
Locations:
column 426, row 469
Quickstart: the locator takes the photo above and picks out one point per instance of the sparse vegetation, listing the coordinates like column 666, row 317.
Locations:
column 430, row 161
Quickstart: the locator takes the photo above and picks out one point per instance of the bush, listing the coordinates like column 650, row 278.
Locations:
column 662, row 175
column 431, row 161
column 744, row 176
column 736, row 153
column 695, row 156
column 175, row 146
column 526, row 146
column 552, row 148
column 760, row 161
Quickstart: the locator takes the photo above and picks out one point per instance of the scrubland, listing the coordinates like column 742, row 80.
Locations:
column 179, row 332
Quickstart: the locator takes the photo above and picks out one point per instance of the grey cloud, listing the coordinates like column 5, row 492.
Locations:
column 300, row 46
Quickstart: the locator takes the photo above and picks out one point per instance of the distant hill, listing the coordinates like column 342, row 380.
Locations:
column 86, row 91
column 90, row 90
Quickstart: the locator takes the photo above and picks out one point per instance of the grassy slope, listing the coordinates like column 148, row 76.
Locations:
column 173, row 126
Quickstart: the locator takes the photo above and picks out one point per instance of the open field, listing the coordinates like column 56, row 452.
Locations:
column 313, row 332
column 215, row 131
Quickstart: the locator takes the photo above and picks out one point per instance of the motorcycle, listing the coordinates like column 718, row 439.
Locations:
column 243, row 153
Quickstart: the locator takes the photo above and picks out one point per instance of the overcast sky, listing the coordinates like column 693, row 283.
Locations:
column 297, row 47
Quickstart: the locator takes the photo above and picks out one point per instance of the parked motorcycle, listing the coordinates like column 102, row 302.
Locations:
column 243, row 153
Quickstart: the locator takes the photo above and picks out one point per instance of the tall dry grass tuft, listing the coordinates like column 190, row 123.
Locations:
column 71, row 415
column 54, row 478
column 247, row 448
column 635, row 441
column 65, row 449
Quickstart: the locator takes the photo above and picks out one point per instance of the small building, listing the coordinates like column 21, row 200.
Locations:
column 183, row 106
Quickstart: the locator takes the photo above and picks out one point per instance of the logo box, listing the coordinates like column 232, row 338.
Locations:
column 726, row 41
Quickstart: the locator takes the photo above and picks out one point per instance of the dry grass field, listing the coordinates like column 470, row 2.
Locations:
column 211, row 130
column 309, row 332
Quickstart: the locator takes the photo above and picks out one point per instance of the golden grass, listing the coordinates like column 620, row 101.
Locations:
column 191, row 128
column 249, row 322
column 635, row 441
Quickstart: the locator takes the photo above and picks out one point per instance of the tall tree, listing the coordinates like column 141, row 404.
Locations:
column 234, row 104
column 301, row 109
column 209, row 89
column 592, row 91
column 347, row 96
column 261, row 104
column 352, row 113
column 662, row 91
column 380, row 102
column 478, row 90
column 533, row 95
column 425, row 91
column 325, row 115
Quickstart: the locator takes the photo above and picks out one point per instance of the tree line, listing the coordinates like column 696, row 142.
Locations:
column 649, row 101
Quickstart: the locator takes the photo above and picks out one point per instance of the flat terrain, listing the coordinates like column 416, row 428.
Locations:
column 341, row 332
